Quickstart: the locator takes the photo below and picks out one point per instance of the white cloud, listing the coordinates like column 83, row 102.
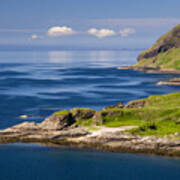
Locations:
column 127, row 31
column 34, row 36
column 101, row 33
column 58, row 31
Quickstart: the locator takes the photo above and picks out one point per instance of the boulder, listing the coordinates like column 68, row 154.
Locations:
column 136, row 104
column 118, row 106
column 98, row 118
column 82, row 113
column 58, row 121
column 27, row 126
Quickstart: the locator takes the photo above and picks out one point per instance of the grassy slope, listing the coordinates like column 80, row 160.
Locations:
column 160, row 40
column 63, row 112
column 166, row 60
column 163, row 111
column 160, row 116
column 160, row 111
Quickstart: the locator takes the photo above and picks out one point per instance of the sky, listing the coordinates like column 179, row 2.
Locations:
column 86, row 23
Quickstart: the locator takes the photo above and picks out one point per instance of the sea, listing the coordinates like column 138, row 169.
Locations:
column 39, row 82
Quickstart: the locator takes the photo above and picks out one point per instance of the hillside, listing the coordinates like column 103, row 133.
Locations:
column 164, row 54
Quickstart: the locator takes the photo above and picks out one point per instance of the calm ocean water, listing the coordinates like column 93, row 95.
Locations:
column 39, row 83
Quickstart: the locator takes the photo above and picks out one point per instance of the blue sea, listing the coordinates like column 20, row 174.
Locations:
column 38, row 83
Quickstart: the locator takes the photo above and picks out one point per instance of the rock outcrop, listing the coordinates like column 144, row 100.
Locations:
column 58, row 121
column 118, row 106
column 83, row 127
column 82, row 113
column 174, row 82
column 136, row 104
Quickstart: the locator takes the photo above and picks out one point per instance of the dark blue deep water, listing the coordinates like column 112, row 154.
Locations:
column 39, row 83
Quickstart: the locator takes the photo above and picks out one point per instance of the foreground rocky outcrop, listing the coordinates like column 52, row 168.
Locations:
column 86, row 128
column 114, row 140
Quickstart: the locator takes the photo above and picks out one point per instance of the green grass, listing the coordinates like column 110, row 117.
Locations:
column 82, row 109
column 162, row 111
column 92, row 128
column 163, row 128
column 84, row 122
column 169, row 59
column 159, row 111
column 166, row 60
column 60, row 113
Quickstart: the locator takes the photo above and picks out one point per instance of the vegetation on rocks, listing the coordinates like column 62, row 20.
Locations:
column 166, row 60
column 150, row 125
column 157, row 115
column 160, row 116
column 165, row 53
column 61, row 113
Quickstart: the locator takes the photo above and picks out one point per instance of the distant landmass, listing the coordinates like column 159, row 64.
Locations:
column 163, row 56
column 25, row 47
column 165, row 53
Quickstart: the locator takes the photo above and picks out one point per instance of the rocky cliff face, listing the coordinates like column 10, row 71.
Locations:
column 166, row 42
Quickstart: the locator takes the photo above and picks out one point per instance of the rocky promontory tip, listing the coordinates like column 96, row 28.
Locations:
column 147, row 125
column 174, row 82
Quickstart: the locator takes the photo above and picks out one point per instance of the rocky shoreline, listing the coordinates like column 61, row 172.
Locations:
column 175, row 82
column 61, row 129
column 79, row 138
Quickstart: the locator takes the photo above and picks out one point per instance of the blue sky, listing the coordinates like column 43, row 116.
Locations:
column 86, row 23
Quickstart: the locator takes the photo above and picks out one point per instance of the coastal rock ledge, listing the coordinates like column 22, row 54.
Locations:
column 86, row 128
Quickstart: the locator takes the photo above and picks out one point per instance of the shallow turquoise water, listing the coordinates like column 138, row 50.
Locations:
column 40, row 83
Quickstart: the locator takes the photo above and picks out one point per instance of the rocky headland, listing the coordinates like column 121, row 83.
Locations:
column 163, row 56
column 150, row 125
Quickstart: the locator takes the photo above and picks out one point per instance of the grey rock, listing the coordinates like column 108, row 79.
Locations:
column 136, row 104
column 119, row 106
column 82, row 113
column 57, row 122
column 97, row 118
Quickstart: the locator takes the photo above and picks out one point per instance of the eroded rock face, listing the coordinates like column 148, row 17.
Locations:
column 136, row 104
column 98, row 118
column 118, row 106
column 82, row 113
column 57, row 122
column 27, row 126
